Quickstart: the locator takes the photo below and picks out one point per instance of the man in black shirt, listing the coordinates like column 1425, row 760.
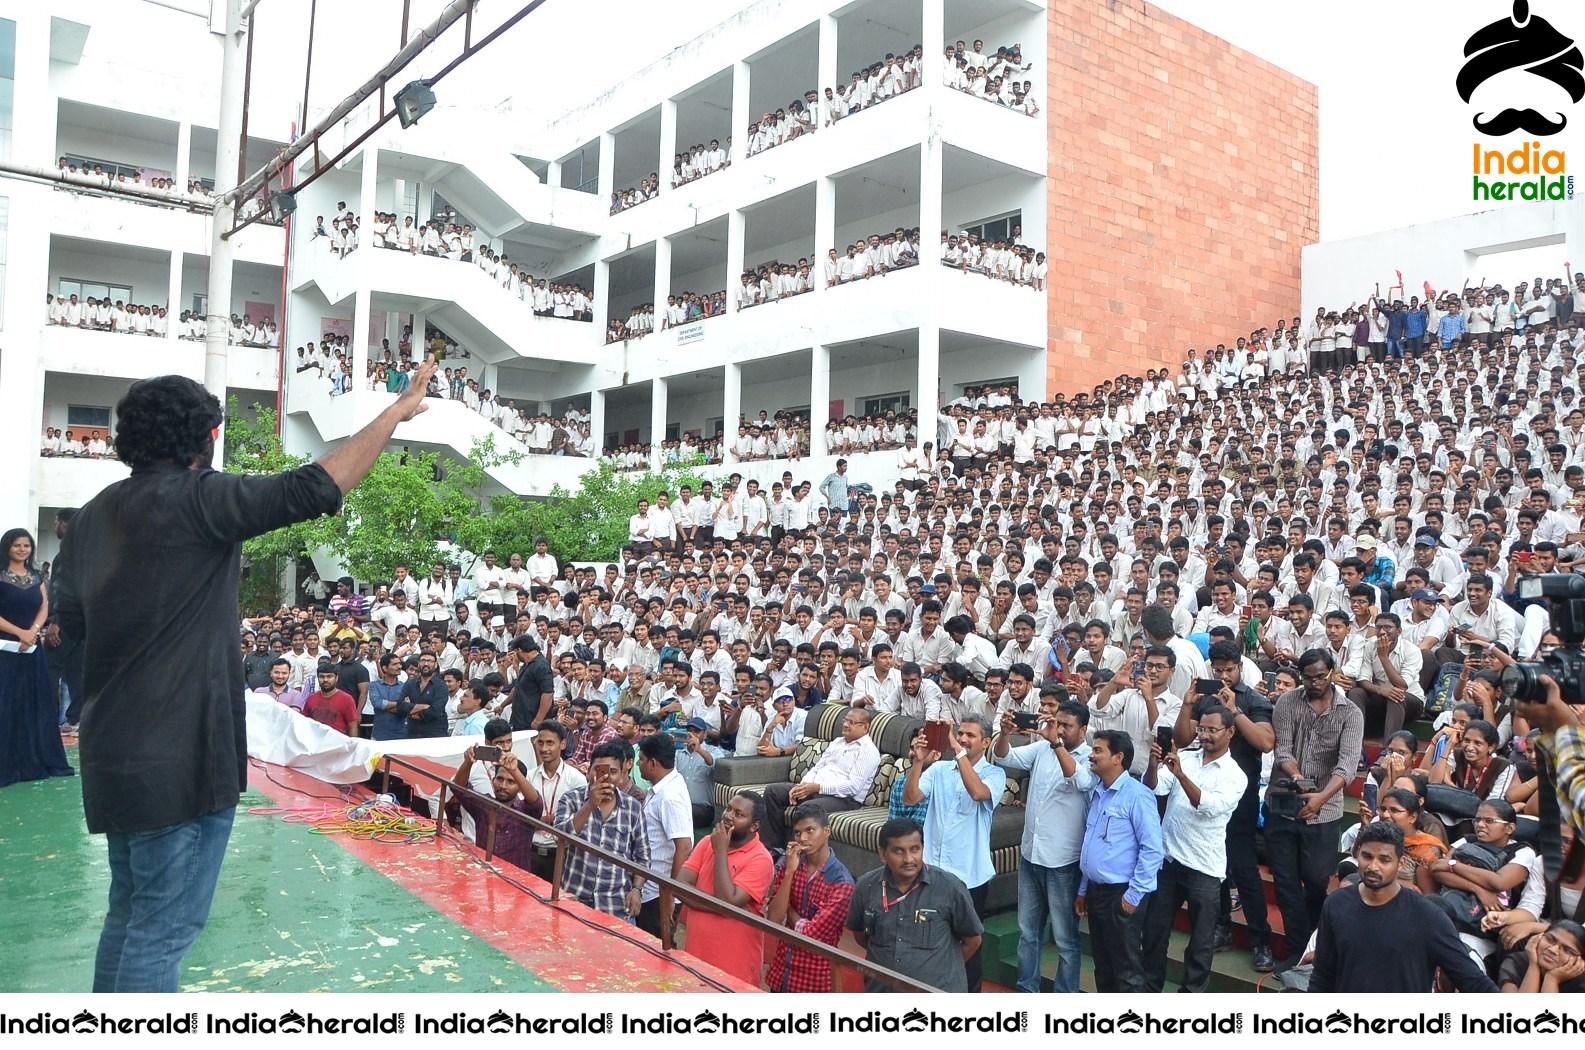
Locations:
column 354, row 677
column 535, row 686
column 157, row 759
column 1379, row 937
column 256, row 665
column 426, row 692
column 1253, row 738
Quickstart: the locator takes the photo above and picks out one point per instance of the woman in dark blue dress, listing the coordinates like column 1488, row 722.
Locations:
column 30, row 740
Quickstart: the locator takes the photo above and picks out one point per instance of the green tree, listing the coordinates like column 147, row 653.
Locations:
column 417, row 508
column 253, row 446
column 591, row 523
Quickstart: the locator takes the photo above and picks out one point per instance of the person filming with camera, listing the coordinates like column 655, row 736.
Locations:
column 1319, row 736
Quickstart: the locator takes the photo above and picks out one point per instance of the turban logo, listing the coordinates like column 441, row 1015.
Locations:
column 1528, row 42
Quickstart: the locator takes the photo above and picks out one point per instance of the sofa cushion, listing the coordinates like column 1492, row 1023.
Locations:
column 860, row 827
column 824, row 721
column 891, row 768
column 893, row 733
column 805, row 756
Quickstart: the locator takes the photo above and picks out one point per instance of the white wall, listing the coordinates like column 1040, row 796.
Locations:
column 123, row 149
column 1446, row 253
column 150, row 281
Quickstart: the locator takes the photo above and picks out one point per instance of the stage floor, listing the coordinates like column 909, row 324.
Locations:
column 302, row 912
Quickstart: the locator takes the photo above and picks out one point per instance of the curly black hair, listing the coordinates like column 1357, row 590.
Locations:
column 165, row 418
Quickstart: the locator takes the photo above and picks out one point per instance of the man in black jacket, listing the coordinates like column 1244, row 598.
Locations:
column 163, row 767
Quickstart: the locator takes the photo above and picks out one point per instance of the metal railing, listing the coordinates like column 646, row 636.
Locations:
column 671, row 891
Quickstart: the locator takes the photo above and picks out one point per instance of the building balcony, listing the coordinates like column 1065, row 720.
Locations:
column 71, row 481
column 116, row 220
column 456, row 297
column 847, row 313
column 123, row 356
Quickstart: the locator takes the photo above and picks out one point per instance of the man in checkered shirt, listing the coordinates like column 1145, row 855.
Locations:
column 810, row 893
column 604, row 816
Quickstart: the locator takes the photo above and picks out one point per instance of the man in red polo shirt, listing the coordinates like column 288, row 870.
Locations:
column 732, row 865
column 330, row 706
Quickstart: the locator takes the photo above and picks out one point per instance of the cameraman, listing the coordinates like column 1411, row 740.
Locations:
column 1561, row 747
column 1319, row 734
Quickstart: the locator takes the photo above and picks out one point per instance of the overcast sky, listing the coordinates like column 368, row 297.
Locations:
column 1395, row 137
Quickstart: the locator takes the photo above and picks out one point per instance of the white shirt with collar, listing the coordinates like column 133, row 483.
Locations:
column 1196, row 836
column 846, row 770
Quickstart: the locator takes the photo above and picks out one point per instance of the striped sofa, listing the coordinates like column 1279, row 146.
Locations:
column 855, row 835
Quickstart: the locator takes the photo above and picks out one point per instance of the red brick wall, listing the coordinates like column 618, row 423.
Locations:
column 1183, row 183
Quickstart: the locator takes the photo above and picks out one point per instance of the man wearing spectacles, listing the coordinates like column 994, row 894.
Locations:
column 1203, row 789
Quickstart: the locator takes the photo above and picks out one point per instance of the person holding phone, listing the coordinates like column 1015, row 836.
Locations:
column 1137, row 709
column 1253, row 738
column 1203, row 789
column 1056, row 801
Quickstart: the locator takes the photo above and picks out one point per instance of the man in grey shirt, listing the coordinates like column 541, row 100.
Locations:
column 913, row 918
column 1319, row 734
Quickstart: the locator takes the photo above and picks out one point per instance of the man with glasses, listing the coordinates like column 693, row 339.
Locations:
column 1203, row 789
column 837, row 782
column 1253, row 738
column 1318, row 738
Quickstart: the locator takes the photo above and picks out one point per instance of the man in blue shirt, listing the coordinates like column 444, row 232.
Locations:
column 1118, row 864
column 1414, row 327
column 963, row 797
column 1450, row 329
column 1056, row 802
column 835, row 488
column 385, row 695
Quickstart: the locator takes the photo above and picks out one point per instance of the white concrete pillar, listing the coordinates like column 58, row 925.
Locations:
column 657, row 423
column 819, row 397
column 418, row 337
column 366, row 180
column 930, row 220
column 668, row 139
column 602, row 295
column 184, row 154
column 735, row 226
column 929, row 381
column 740, row 111
column 932, row 70
column 597, row 418
column 423, row 199
column 33, row 124
column 393, row 328
column 360, row 339
column 607, row 184
column 825, row 226
column 553, row 174
column 826, row 61
column 731, row 410
column 662, row 278
column 173, row 298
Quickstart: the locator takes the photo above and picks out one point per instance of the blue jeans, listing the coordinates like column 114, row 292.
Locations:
column 161, row 885
column 1046, row 894
column 1395, row 348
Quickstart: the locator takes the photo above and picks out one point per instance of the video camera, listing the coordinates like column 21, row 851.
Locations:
column 1282, row 796
column 1521, row 682
column 1565, row 665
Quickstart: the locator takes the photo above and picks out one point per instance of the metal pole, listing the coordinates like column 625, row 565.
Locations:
column 421, row 40
column 228, row 156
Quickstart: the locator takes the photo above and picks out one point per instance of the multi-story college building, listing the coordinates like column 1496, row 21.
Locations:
column 1159, row 171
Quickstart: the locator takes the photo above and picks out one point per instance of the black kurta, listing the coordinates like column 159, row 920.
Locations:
column 152, row 594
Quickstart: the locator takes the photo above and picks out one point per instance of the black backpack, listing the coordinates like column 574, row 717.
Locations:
column 1462, row 906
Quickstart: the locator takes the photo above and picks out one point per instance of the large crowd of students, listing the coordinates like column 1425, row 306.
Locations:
column 1194, row 608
